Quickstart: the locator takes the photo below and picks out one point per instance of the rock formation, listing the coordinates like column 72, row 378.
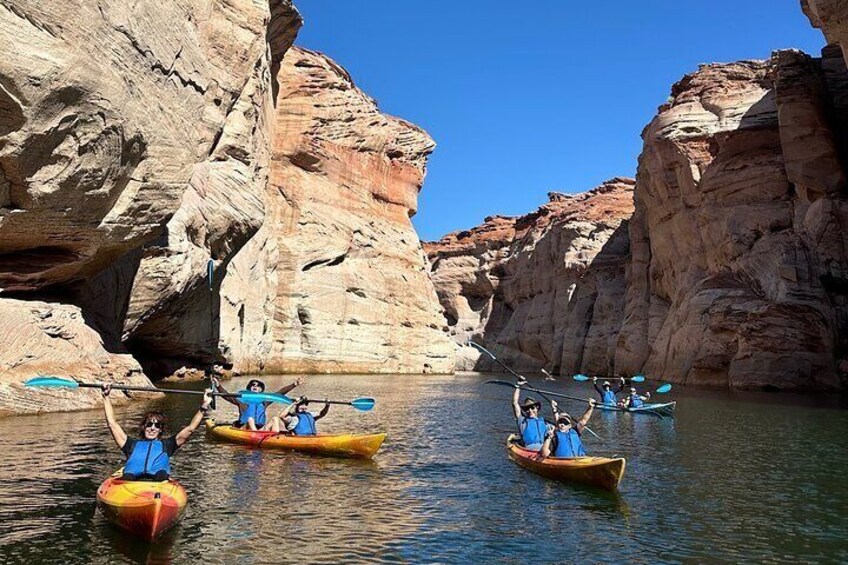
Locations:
column 738, row 265
column 830, row 16
column 353, row 292
column 544, row 289
column 738, row 271
column 136, row 143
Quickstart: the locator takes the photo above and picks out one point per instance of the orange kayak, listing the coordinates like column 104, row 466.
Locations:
column 144, row 509
column 601, row 472
column 339, row 445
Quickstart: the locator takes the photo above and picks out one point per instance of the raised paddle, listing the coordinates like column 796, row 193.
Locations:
column 244, row 396
column 362, row 404
column 662, row 389
column 583, row 378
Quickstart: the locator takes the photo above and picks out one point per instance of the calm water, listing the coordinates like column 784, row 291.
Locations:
column 755, row 478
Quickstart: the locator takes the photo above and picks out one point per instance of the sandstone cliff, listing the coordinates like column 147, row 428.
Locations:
column 137, row 141
column 353, row 292
column 737, row 273
column 544, row 289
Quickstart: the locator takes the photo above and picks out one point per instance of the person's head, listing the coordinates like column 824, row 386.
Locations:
column 152, row 425
column 531, row 407
column 633, row 390
column 303, row 406
column 607, row 385
column 256, row 385
column 564, row 423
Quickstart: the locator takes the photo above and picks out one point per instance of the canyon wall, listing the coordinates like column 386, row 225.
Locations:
column 737, row 275
column 353, row 292
column 139, row 141
column 542, row 290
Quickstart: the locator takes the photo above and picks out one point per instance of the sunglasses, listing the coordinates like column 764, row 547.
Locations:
column 153, row 424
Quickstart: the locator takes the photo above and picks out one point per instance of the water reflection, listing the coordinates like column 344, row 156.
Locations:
column 727, row 480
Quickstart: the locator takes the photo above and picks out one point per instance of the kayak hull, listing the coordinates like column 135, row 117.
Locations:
column 360, row 446
column 601, row 472
column 144, row 509
column 662, row 409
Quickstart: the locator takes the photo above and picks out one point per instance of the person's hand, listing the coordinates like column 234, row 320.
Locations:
column 215, row 382
column 622, row 380
column 522, row 380
column 593, row 402
column 105, row 390
column 594, row 379
column 207, row 399
column 326, row 402
column 549, row 434
column 648, row 395
column 554, row 405
column 300, row 400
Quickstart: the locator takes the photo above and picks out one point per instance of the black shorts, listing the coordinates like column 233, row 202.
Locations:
column 158, row 477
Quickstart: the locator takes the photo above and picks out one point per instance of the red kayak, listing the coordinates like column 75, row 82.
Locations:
column 144, row 509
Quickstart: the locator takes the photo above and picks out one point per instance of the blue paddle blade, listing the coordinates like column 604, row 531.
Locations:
column 664, row 388
column 363, row 404
column 637, row 378
column 581, row 378
column 52, row 382
column 247, row 396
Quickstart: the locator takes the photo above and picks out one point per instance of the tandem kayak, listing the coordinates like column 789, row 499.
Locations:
column 663, row 409
column 144, row 509
column 601, row 472
column 338, row 445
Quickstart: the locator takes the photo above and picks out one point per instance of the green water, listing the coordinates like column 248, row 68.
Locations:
column 733, row 478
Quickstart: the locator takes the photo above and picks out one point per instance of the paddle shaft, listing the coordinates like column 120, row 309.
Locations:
column 154, row 389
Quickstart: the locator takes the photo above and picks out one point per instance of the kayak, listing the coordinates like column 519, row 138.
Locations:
column 145, row 509
column 362, row 446
column 601, row 472
column 663, row 409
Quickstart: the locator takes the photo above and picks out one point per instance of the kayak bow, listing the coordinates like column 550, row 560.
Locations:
column 601, row 472
column 362, row 446
column 145, row 509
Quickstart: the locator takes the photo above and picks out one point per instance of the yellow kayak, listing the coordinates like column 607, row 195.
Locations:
column 338, row 445
column 145, row 509
column 601, row 472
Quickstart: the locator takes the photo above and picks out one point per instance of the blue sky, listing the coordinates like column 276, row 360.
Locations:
column 548, row 95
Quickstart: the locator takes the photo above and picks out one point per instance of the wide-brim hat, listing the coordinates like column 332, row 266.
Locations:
column 530, row 402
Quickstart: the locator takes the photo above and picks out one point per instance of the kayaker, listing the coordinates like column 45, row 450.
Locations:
column 564, row 440
column 252, row 415
column 297, row 418
column 149, row 457
column 530, row 423
column 635, row 400
column 607, row 394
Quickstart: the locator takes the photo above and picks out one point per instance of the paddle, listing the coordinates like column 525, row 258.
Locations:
column 210, row 274
column 520, row 378
column 361, row 404
column 662, row 389
column 583, row 378
column 244, row 396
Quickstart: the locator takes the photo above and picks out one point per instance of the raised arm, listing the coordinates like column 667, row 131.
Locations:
column 323, row 411
column 595, row 384
column 118, row 432
column 516, row 409
column 220, row 388
column 548, row 443
column 186, row 432
column 621, row 383
column 288, row 388
column 584, row 419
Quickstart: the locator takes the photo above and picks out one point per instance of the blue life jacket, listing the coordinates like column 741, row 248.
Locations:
column 148, row 457
column 635, row 401
column 255, row 410
column 568, row 444
column 608, row 397
column 305, row 424
column 534, row 431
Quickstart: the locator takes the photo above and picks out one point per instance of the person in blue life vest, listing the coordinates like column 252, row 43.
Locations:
column 298, row 420
column 564, row 440
column 528, row 416
column 635, row 400
column 252, row 415
column 149, row 456
column 607, row 393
